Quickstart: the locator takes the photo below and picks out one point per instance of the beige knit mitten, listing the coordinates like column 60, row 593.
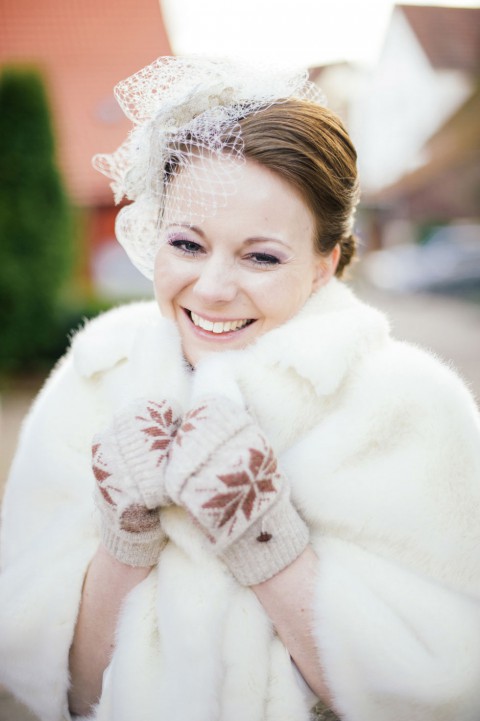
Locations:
column 128, row 461
column 223, row 471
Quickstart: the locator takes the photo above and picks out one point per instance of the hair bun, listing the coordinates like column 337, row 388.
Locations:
column 348, row 247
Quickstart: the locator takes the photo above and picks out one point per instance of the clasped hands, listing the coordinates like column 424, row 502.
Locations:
column 217, row 464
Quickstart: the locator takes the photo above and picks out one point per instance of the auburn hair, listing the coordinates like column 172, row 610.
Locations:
column 308, row 146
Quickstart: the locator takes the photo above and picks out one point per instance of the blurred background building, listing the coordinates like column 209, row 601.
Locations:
column 83, row 48
column 411, row 104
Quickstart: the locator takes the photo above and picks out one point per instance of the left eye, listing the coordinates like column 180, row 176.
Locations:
column 264, row 259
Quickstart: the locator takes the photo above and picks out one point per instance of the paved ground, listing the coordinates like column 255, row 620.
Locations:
column 449, row 327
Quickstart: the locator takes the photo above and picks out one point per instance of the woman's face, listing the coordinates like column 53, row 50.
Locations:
column 243, row 271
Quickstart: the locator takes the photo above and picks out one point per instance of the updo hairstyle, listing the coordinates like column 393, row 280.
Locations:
column 307, row 145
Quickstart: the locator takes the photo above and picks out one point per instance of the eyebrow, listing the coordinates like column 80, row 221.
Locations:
column 187, row 226
column 265, row 238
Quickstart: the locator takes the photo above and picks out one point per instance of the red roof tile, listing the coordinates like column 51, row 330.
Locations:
column 449, row 36
column 84, row 47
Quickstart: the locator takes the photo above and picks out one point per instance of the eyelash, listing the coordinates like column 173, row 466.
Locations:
column 264, row 259
column 181, row 244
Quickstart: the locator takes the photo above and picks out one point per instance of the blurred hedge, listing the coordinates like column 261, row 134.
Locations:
column 36, row 224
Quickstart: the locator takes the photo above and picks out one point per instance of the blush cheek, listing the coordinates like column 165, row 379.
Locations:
column 164, row 297
column 282, row 304
column 274, row 298
column 168, row 282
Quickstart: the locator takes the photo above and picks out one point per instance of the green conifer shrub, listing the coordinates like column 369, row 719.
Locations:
column 36, row 223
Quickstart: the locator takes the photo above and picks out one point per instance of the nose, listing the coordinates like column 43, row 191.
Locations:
column 216, row 282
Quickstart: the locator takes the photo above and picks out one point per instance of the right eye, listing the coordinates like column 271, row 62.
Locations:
column 186, row 246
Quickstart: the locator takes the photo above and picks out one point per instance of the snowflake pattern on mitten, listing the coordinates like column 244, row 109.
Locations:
column 135, row 449
column 135, row 517
column 161, row 427
column 128, row 462
column 190, row 422
column 102, row 474
column 243, row 492
column 233, row 484
column 223, row 471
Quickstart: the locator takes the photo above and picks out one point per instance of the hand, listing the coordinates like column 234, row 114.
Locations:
column 224, row 472
column 128, row 461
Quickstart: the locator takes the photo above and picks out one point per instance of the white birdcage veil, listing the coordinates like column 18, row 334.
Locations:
column 186, row 111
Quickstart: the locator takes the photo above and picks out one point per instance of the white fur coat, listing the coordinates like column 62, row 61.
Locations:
column 381, row 444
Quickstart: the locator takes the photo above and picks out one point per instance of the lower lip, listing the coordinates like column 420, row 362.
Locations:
column 210, row 335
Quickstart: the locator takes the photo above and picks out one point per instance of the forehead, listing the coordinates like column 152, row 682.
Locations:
column 200, row 185
column 221, row 189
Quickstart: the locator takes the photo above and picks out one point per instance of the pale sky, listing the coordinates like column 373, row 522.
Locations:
column 294, row 32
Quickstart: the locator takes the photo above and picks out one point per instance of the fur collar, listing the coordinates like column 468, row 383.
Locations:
column 109, row 338
column 322, row 342
column 319, row 344
column 286, row 377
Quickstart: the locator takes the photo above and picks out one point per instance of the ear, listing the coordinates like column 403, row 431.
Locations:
column 325, row 268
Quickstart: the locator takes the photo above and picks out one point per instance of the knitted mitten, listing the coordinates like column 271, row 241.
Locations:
column 128, row 461
column 223, row 471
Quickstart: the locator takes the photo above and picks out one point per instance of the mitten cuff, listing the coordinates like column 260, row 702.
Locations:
column 269, row 545
column 133, row 549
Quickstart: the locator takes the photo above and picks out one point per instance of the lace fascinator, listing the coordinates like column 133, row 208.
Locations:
column 185, row 111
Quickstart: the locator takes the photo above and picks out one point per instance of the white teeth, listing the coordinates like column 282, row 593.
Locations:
column 218, row 326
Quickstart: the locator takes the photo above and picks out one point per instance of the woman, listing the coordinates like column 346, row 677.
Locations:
column 287, row 500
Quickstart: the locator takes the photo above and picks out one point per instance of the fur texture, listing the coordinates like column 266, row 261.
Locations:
column 380, row 443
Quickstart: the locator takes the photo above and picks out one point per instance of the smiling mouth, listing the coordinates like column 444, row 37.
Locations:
column 218, row 327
